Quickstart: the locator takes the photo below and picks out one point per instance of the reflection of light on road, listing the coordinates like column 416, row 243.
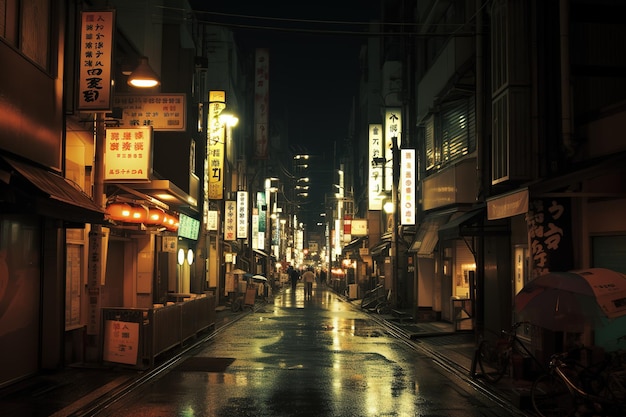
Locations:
column 336, row 338
column 187, row 412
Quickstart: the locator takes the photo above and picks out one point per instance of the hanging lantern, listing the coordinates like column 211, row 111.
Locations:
column 170, row 222
column 138, row 214
column 155, row 216
column 119, row 211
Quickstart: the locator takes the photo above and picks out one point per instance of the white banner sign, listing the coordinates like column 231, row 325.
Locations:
column 242, row 215
column 376, row 166
column 407, row 186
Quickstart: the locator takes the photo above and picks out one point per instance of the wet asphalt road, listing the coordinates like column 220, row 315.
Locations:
column 296, row 357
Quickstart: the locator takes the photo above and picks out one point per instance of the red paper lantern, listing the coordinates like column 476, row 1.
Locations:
column 139, row 214
column 119, row 211
column 155, row 216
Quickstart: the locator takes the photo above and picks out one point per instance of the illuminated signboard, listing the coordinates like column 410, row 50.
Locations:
column 376, row 154
column 407, row 186
column 95, row 60
column 188, row 227
column 128, row 154
column 161, row 111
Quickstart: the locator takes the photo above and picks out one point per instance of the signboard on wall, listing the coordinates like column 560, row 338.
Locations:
column 95, row 60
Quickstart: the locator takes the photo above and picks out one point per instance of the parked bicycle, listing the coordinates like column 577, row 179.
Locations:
column 494, row 356
column 571, row 389
column 377, row 300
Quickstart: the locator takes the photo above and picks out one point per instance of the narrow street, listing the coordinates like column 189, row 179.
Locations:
column 306, row 357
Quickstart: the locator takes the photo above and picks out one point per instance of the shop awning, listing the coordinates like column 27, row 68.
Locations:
column 428, row 235
column 61, row 198
column 354, row 245
column 466, row 224
column 506, row 205
column 383, row 245
column 260, row 252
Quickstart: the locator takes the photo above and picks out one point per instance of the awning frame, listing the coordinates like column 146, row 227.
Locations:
column 59, row 198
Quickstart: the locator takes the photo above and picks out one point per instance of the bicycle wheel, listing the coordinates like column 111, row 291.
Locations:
column 551, row 397
column 492, row 360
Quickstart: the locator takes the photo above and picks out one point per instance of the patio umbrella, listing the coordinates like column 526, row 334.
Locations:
column 575, row 301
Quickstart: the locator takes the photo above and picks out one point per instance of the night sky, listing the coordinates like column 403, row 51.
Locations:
column 314, row 68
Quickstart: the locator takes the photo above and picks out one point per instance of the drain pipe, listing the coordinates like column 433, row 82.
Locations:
column 566, row 108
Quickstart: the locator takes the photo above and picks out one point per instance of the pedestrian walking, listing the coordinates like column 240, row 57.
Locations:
column 308, row 277
column 294, row 276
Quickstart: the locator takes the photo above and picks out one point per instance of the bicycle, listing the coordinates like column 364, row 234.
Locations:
column 373, row 297
column 571, row 389
column 494, row 357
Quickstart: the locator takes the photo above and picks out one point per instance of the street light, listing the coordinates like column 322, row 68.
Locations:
column 143, row 76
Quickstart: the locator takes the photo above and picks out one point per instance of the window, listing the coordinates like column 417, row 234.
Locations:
column 429, row 140
column 25, row 25
column 457, row 131
column 450, row 133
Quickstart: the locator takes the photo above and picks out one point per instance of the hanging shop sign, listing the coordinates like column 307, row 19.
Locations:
column 128, row 154
column 261, row 103
column 375, row 167
column 95, row 60
column 393, row 127
column 230, row 220
column 242, row 214
column 407, row 187
column 163, row 112
column 215, row 146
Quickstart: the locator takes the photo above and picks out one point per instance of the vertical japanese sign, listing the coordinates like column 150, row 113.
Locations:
column 261, row 103
column 121, row 342
column 407, row 187
column 212, row 220
column 128, row 154
column 230, row 220
column 255, row 228
column 95, row 280
column 95, row 60
column 263, row 210
column 242, row 215
column 215, row 146
column 393, row 126
column 375, row 185
column 549, row 223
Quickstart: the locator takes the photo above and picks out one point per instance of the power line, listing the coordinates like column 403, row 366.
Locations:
column 358, row 28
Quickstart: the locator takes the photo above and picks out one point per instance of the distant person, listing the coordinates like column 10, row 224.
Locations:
column 294, row 276
column 323, row 277
column 308, row 277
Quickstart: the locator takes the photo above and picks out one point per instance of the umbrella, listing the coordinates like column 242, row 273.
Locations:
column 575, row 301
column 238, row 271
column 259, row 278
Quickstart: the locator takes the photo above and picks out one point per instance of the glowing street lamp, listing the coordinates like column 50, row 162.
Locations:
column 143, row 76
